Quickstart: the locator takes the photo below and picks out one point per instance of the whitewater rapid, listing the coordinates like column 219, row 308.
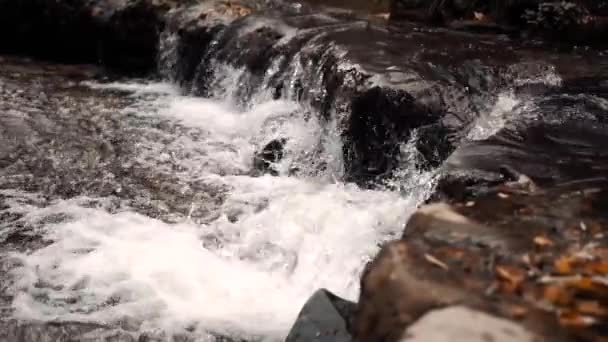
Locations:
column 242, row 265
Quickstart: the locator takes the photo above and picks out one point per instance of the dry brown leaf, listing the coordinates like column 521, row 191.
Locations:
column 516, row 311
column 479, row 16
column 601, row 253
column 564, row 265
column 542, row 241
column 583, row 283
column 591, row 307
column 512, row 277
column 575, row 320
column 510, row 273
column 597, row 267
column 556, row 295
column 435, row 261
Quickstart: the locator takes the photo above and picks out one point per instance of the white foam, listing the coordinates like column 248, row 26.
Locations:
column 503, row 111
column 272, row 242
column 255, row 280
column 135, row 87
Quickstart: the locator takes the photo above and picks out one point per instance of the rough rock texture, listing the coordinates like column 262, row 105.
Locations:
column 359, row 73
column 524, row 238
column 532, row 254
column 578, row 21
column 14, row 331
column 461, row 324
column 324, row 318
column 120, row 34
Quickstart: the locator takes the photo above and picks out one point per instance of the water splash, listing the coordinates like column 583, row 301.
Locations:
column 244, row 269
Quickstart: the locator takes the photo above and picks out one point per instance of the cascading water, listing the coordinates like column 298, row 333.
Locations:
column 137, row 206
column 241, row 264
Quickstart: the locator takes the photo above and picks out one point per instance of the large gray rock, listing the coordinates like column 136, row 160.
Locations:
column 462, row 324
column 324, row 318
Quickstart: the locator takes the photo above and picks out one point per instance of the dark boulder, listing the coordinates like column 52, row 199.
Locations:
column 271, row 153
column 578, row 21
column 119, row 34
column 56, row 30
column 129, row 40
column 324, row 318
column 381, row 119
column 559, row 154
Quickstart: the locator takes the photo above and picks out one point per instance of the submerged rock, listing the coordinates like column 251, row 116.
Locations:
column 271, row 153
column 324, row 318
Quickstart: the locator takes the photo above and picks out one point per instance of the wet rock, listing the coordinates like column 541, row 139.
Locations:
column 324, row 318
column 521, row 253
column 373, row 138
column 14, row 331
column 547, row 154
column 58, row 30
column 120, row 34
column 193, row 44
column 460, row 324
column 271, row 153
column 129, row 40
column 577, row 21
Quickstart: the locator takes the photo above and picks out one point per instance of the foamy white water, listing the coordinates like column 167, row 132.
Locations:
column 246, row 268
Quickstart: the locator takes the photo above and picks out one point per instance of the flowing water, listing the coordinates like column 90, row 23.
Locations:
column 196, row 242
column 136, row 206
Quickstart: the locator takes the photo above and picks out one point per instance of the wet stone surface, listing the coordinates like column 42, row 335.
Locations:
column 521, row 125
column 62, row 139
column 536, row 256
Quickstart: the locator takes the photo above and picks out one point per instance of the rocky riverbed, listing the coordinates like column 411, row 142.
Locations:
column 315, row 171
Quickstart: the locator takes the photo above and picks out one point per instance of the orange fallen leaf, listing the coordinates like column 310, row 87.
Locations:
column 513, row 277
column 516, row 311
column 510, row 273
column 542, row 241
column 597, row 267
column 575, row 320
column 564, row 265
column 601, row 253
column 595, row 287
column 591, row 307
column 556, row 295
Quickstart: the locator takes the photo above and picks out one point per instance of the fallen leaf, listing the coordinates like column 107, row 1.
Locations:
column 597, row 267
column 564, row 265
column 479, row 16
column 516, row 311
column 513, row 277
column 575, row 320
column 591, row 307
column 542, row 241
column 436, row 261
column 556, row 295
